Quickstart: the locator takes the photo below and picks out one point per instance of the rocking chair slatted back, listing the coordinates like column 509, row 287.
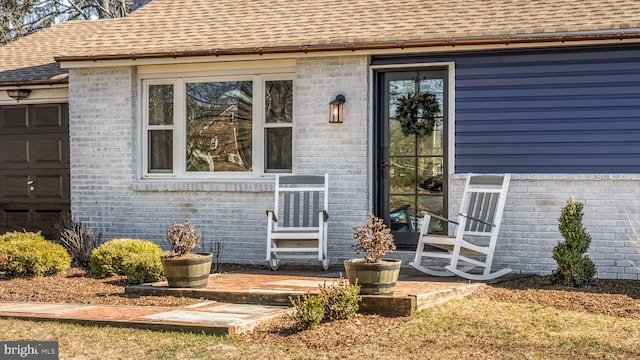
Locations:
column 299, row 230
column 300, row 201
column 478, row 224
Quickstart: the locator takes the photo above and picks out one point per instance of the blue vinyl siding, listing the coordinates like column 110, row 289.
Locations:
column 568, row 110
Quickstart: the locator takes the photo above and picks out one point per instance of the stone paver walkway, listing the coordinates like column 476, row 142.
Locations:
column 208, row 317
column 235, row 303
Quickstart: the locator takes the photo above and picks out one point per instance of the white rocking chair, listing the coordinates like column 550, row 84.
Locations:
column 478, row 224
column 297, row 227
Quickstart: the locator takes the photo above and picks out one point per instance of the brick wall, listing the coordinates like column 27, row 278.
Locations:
column 529, row 228
column 107, row 196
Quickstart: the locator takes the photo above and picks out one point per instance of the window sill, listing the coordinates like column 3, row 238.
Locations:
column 208, row 185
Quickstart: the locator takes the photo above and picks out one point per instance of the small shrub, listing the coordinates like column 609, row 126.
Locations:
column 78, row 240
column 574, row 268
column 374, row 238
column 309, row 311
column 340, row 299
column 28, row 254
column 141, row 268
column 122, row 256
column 336, row 301
column 182, row 238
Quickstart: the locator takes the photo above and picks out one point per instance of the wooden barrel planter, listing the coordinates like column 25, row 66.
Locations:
column 374, row 278
column 190, row 271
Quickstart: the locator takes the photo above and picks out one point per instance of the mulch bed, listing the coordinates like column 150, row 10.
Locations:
column 619, row 298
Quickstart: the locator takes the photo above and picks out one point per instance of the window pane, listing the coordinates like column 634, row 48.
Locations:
column 219, row 126
column 160, row 151
column 160, row 104
column 279, row 101
column 278, row 149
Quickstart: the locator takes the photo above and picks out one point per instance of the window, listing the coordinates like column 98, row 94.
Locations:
column 278, row 120
column 218, row 126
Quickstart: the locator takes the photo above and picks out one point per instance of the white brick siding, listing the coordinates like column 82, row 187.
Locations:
column 529, row 229
column 107, row 195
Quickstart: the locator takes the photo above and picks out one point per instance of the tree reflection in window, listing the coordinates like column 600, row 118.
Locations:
column 160, row 117
column 278, row 125
column 219, row 126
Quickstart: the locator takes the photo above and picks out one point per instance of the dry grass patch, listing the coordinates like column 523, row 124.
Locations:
column 462, row 329
column 518, row 319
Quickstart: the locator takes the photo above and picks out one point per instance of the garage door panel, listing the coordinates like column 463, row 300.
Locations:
column 31, row 219
column 45, row 117
column 34, row 151
column 15, row 188
column 36, row 186
column 13, row 119
column 46, row 152
column 49, row 187
column 14, row 219
column 14, row 152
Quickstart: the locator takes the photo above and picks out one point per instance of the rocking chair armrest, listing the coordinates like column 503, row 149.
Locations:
column 441, row 218
column 275, row 219
column 325, row 214
column 476, row 219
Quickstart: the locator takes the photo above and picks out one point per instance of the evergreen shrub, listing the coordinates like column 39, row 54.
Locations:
column 138, row 259
column 30, row 254
column 574, row 267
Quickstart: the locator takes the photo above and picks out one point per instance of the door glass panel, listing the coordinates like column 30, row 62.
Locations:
column 411, row 175
column 429, row 177
column 401, row 214
column 402, row 175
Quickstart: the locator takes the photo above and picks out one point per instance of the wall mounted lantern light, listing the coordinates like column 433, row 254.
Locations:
column 337, row 110
column 18, row 94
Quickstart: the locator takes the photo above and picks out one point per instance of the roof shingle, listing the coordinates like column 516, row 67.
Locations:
column 165, row 27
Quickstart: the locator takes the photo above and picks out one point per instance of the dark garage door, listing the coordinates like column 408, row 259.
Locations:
column 34, row 166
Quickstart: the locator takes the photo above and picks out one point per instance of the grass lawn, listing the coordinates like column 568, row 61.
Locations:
column 460, row 329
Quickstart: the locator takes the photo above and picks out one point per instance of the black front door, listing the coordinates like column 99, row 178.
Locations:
column 411, row 143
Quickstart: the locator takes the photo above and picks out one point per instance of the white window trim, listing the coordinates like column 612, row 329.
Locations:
column 179, row 125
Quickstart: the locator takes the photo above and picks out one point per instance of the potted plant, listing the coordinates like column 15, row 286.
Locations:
column 184, row 268
column 376, row 276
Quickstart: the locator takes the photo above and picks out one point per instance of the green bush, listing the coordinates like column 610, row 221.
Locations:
column 309, row 311
column 336, row 301
column 340, row 299
column 574, row 268
column 138, row 259
column 27, row 254
column 141, row 268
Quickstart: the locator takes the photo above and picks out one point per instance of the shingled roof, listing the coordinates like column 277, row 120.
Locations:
column 168, row 28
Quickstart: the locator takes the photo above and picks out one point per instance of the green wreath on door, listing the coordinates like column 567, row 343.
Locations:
column 417, row 113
